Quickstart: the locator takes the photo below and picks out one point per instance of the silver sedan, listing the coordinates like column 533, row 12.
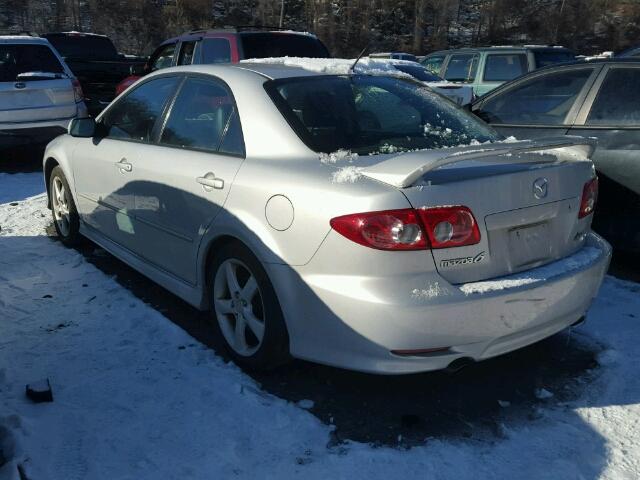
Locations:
column 353, row 220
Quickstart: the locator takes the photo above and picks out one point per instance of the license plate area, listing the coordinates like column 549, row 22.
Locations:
column 529, row 244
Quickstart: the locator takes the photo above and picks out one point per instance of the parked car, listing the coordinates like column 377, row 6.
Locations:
column 396, row 56
column 489, row 67
column 629, row 52
column 39, row 94
column 96, row 63
column 238, row 188
column 229, row 45
column 459, row 93
column 600, row 99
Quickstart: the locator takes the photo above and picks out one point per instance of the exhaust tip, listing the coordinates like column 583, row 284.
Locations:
column 458, row 364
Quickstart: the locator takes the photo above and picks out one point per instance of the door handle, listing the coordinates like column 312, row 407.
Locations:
column 209, row 182
column 124, row 166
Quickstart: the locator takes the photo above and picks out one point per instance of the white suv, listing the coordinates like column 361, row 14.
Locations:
column 38, row 93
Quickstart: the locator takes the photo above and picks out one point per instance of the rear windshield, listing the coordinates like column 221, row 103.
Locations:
column 418, row 72
column 373, row 114
column 551, row 57
column 270, row 44
column 83, row 47
column 17, row 59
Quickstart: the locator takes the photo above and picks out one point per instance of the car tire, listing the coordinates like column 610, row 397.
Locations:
column 245, row 309
column 65, row 214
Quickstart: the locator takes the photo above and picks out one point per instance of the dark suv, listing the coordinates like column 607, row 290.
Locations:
column 229, row 46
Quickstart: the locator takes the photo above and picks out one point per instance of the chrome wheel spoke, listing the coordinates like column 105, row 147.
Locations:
column 239, row 335
column 223, row 306
column 249, row 290
column 232, row 279
column 255, row 325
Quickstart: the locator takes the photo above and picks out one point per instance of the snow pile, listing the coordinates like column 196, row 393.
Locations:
column 136, row 397
column 348, row 174
column 336, row 66
column 580, row 259
column 338, row 156
column 432, row 291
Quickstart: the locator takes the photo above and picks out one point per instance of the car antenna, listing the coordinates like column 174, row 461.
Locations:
column 353, row 66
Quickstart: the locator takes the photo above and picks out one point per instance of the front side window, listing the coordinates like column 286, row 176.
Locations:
column 202, row 116
column 505, row 66
column 134, row 116
column 543, row 100
column 434, row 64
column 164, row 58
column 373, row 114
column 618, row 101
column 17, row 59
column 186, row 53
column 216, row 50
column 462, row 68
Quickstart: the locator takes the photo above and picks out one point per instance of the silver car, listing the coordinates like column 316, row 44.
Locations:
column 38, row 93
column 360, row 221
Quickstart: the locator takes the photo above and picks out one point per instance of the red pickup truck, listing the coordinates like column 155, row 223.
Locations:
column 228, row 46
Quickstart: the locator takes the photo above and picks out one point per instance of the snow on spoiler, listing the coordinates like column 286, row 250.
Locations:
column 405, row 169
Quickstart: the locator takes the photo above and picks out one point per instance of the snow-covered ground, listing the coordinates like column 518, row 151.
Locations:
column 135, row 397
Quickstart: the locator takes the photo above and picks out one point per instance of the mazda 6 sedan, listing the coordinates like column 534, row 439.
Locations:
column 360, row 221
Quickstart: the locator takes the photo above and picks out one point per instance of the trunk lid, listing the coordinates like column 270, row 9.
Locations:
column 525, row 197
column 37, row 100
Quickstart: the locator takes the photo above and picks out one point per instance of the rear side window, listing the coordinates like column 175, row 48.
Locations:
column 270, row 44
column 551, row 57
column 134, row 116
column 164, row 58
column 434, row 64
column 462, row 68
column 505, row 67
column 618, row 101
column 17, row 59
column 216, row 50
column 79, row 46
column 202, row 115
column 543, row 100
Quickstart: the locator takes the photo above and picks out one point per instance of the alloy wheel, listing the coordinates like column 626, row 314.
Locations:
column 239, row 307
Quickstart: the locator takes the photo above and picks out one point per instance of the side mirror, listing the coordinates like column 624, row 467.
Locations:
column 82, row 127
column 138, row 70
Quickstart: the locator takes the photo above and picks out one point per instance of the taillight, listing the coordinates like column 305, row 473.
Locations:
column 77, row 90
column 386, row 230
column 448, row 227
column 410, row 229
column 589, row 198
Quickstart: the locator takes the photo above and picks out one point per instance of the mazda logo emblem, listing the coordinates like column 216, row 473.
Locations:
column 540, row 188
column 20, row 85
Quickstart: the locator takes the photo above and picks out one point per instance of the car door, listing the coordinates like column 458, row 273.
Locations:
column 612, row 114
column 104, row 165
column 538, row 105
column 462, row 67
column 183, row 180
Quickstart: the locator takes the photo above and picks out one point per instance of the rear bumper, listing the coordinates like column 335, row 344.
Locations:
column 32, row 133
column 357, row 326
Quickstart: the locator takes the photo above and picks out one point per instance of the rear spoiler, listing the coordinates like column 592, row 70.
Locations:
column 405, row 169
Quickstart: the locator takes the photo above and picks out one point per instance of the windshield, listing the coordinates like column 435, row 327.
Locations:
column 17, row 59
column 79, row 46
column 418, row 72
column 273, row 44
column 373, row 114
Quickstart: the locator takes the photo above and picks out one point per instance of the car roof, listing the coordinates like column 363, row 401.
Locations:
column 589, row 61
column 214, row 32
column 24, row 39
column 502, row 47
